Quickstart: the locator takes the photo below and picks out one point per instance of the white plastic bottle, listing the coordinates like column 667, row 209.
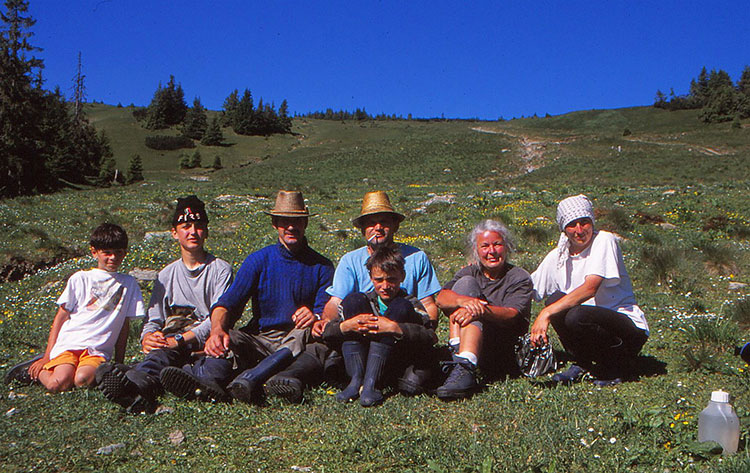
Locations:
column 719, row 422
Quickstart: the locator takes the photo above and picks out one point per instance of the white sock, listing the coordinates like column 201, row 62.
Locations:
column 454, row 342
column 468, row 356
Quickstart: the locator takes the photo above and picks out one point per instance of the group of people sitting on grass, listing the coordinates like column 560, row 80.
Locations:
column 369, row 323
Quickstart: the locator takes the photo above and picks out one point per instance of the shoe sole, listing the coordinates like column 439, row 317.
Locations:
column 15, row 373
column 118, row 388
column 186, row 386
column 454, row 394
column 288, row 389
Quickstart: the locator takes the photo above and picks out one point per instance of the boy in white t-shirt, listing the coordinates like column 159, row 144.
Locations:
column 92, row 319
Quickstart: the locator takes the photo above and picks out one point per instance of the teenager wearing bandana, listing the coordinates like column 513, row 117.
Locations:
column 590, row 301
column 178, row 322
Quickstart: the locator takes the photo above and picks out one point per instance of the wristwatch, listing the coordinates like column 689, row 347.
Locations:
column 180, row 340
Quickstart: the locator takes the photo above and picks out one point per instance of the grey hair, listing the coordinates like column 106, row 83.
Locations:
column 488, row 225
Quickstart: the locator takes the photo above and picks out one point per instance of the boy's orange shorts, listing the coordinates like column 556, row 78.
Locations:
column 76, row 358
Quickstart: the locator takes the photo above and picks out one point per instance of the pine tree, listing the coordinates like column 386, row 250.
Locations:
column 195, row 160
column 167, row 107
column 21, row 163
column 230, row 108
column 135, row 169
column 244, row 120
column 217, row 163
column 107, row 171
column 213, row 135
column 285, row 121
column 195, row 123
column 184, row 161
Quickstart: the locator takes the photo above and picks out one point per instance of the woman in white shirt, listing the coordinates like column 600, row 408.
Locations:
column 590, row 301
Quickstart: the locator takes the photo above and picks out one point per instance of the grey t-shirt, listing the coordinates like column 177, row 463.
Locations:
column 178, row 288
column 512, row 290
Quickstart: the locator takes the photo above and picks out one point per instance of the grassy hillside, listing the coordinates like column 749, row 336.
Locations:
column 675, row 189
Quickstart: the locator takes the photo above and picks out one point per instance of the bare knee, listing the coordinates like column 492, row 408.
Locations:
column 56, row 385
column 84, row 378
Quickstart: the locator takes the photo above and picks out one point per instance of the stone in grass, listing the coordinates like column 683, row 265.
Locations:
column 301, row 468
column 109, row 449
column 144, row 274
column 737, row 286
column 11, row 412
column 269, row 438
column 176, row 437
column 163, row 410
column 153, row 235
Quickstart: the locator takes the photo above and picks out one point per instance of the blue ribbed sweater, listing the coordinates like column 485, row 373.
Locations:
column 278, row 282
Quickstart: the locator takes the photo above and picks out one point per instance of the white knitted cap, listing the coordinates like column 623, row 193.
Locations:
column 573, row 208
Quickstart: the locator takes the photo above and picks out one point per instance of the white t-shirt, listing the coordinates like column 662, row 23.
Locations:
column 602, row 258
column 98, row 302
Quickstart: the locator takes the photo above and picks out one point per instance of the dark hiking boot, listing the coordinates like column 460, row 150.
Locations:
column 20, row 372
column 413, row 381
column 290, row 383
column 461, row 381
column 132, row 389
column 354, row 353
column 571, row 375
column 186, row 386
column 376, row 360
column 247, row 387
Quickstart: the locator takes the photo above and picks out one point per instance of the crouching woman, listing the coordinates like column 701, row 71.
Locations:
column 590, row 301
column 488, row 304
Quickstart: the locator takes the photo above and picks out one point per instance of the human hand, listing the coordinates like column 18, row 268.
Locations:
column 538, row 333
column 152, row 341
column 303, row 317
column 317, row 328
column 37, row 366
column 463, row 317
column 475, row 307
column 383, row 326
column 217, row 344
column 356, row 324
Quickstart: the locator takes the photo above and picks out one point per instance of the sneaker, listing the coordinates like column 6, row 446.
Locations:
column 460, row 383
column 20, row 372
column 186, row 386
column 285, row 387
column 571, row 375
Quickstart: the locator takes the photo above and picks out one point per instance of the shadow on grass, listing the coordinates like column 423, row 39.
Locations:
column 645, row 366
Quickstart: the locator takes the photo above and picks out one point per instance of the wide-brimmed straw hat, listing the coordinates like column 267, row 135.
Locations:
column 289, row 204
column 376, row 202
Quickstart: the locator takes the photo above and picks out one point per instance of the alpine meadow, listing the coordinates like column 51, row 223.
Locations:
column 671, row 180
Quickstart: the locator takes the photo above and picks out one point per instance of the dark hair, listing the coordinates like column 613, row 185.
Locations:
column 109, row 236
column 388, row 259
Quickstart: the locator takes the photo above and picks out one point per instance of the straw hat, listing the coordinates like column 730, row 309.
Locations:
column 376, row 202
column 289, row 204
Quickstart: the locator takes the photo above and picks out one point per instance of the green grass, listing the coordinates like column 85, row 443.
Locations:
column 680, row 274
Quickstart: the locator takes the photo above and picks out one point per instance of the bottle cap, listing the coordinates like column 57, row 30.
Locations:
column 720, row 396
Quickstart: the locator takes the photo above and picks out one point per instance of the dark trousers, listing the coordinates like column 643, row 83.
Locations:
column 599, row 339
column 498, row 357
column 158, row 359
column 405, row 355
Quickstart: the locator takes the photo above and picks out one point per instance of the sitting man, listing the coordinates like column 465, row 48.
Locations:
column 378, row 222
column 178, row 322
column 286, row 283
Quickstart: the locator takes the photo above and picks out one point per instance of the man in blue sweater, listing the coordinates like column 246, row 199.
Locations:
column 287, row 285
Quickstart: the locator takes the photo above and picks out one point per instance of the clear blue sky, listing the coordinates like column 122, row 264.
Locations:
column 458, row 58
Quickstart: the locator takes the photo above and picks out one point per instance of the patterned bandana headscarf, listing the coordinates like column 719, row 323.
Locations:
column 568, row 210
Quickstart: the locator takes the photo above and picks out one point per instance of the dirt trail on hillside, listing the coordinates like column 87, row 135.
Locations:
column 532, row 149
column 701, row 149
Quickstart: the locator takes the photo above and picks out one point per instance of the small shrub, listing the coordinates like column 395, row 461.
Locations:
column 184, row 161
column 718, row 332
column 536, row 235
column 626, row 132
column 217, row 163
column 139, row 113
column 168, row 143
column 719, row 258
column 660, row 261
column 740, row 311
column 736, row 123
column 195, row 161
column 135, row 169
